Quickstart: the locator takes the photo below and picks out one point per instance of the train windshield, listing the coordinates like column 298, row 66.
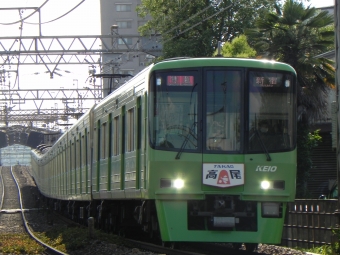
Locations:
column 222, row 110
column 223, row 104
column 271, row 111
column 175, row 110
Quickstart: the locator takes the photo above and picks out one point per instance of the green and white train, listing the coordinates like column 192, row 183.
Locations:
column 189, row 150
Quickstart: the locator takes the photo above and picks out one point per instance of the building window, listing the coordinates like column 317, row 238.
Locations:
column 124, row 24
column 126, row 72
column 141, row 23
column 128, row 41
column 123, row 7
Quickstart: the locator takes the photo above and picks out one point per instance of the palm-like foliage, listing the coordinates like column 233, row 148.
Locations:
column 296, row 35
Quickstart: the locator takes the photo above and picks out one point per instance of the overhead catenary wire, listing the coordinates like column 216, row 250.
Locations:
column 191, row 27
column 181, row 32
column 195, row 25
column 21, row 20
column 41, row 23
column 185, row 21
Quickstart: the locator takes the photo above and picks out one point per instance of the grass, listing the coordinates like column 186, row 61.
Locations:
column 68, row 239
column 19, row 244
column 65, row 239
column 322, row 250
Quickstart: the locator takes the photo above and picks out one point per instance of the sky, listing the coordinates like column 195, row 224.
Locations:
column 321, row 3
column 83, row 20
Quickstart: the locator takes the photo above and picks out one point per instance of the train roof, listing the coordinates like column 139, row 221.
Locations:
column 219, row 61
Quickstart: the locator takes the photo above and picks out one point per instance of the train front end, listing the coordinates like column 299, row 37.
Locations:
column 222, row 158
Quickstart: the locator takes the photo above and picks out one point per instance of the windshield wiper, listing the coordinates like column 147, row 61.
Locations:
column 185, row 142
column 186, row 139
column 263, row 146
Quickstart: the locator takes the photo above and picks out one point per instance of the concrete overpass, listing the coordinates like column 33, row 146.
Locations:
column 27, row 136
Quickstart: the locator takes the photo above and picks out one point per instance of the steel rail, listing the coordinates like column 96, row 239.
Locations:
column 3, row 189
column 160, row 249
column 50, row 249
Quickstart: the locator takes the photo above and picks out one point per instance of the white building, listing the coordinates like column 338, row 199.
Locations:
column 15, row 154
column 130, row 54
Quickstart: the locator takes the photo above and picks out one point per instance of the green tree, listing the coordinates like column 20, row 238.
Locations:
column 193, row 28
column 296, row 35
column 174, row 21
column 240, row 16
column 237, row 48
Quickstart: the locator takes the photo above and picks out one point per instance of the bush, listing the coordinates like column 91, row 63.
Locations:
column 306, row 141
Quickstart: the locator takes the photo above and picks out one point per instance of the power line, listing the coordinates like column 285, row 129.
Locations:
column 40, row 23
column 195, row 25
column 185, row 21
column 21, row 20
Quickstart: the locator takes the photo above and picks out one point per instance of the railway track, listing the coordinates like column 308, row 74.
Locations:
column 17, row 216
column 12, row 216
column 13, row 219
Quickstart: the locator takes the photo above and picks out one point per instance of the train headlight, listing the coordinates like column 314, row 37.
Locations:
column 277, row 185
column 170, row 183
column 178, row 183
column 265, row 185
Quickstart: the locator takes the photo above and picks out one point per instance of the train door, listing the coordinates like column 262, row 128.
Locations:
column 109, row 163
column 74, row 165
column 86, row 162
column 122, row 157
column 144, row 140
column 222, row 121
column 222, row 111
column 64, row 171
column 80, row 162
column 139, row 152
column 97, row 168
column 131, row 173
column 69, row 192
column 77, row 171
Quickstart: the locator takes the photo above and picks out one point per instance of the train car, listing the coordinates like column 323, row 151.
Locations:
column 189, row 150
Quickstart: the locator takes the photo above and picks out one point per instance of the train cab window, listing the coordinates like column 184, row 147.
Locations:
column 174, row 110
column 130, row 129
column 116, row 136
column 223, row 97
column 271, row 115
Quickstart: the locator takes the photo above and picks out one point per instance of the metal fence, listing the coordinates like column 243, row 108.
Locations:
column 309, row 223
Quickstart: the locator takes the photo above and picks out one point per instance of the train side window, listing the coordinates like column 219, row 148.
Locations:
column 73, row 156
column 130, row 129
column 87, row 146
column 116, row 136
column 110, row 134
column 71, row 160
column 77, row 153
column 103, row 141
column 80, row 151
column 83, row 150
